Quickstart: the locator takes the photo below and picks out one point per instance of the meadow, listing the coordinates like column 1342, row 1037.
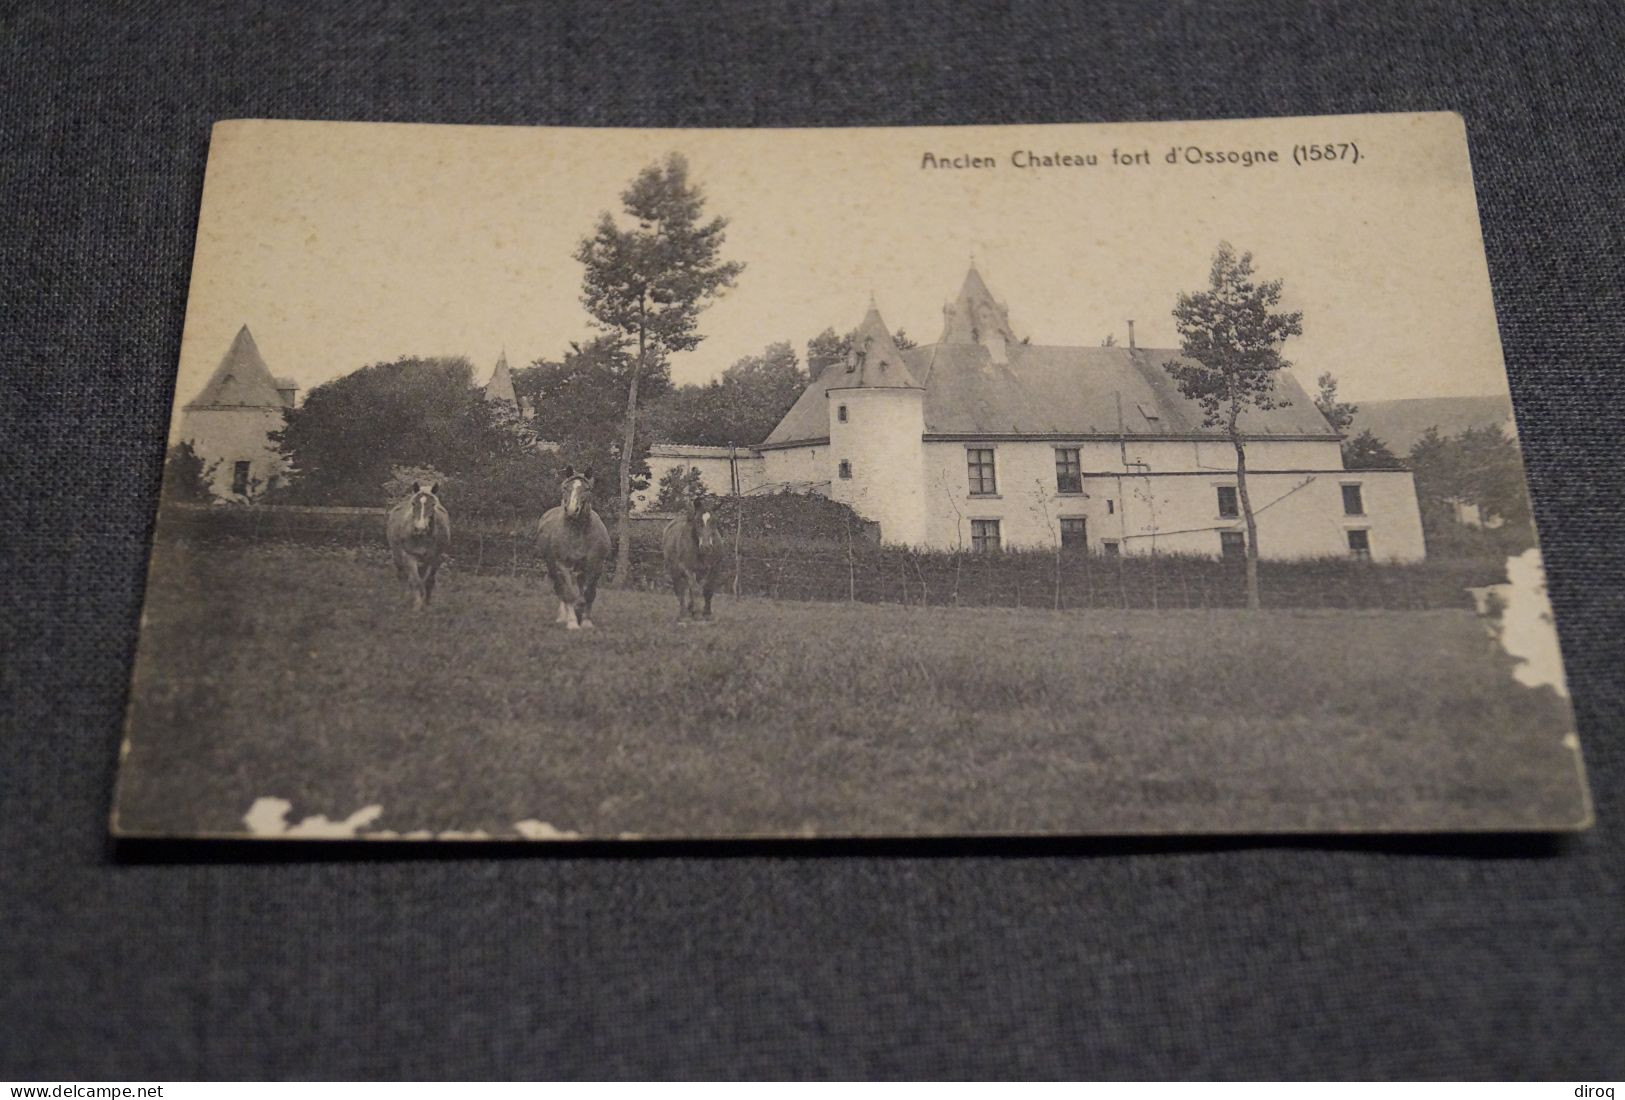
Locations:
column 299, row 673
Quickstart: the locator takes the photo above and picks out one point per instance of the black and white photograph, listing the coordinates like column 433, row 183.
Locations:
column 568, row 484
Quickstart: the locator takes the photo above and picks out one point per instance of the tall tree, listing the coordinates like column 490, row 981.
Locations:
column 742, row 406
column 1230, row 339
column 347, row 436
column 1480, row 467
column 580, row 403
column 648, row 282
column 826, row 348
column 1339, row 414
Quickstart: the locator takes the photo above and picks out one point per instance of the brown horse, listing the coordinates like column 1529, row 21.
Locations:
column 574, row 543
column 419, row 530
column 694, row 552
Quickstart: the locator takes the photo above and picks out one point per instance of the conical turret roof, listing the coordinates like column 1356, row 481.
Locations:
column 242, row 378
column 974, row 317
column 874, row 360
column 500, row 387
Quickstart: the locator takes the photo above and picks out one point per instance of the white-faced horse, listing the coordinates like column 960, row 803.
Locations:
column 694, row 552
column 419, row 531
column 574, row 544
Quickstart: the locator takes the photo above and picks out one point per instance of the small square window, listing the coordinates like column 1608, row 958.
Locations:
column 1111, row 548
column 1074, row 532
column 1229, row 503
column 984, row 535
column 1232, row 545
column 1353, row 503
column 1360, row 544
column 840, row 413
column 1068, row 470
column 846, row 469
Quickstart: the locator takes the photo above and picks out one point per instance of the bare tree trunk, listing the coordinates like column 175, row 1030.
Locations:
column 1253, row 603
column 623, row 552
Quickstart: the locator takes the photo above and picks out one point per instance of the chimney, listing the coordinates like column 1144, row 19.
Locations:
column 1131, row 334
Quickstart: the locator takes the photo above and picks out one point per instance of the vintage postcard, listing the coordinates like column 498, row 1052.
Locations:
column 554, row 484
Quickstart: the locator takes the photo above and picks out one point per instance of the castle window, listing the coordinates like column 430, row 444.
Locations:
column 845, row 469
column 1111, row 507
column 1229, row 503
column 1068, row 470
column 1074, row 532
column 984, row 535
column 1111, row 548
column 1232, row 545
column 840, row 413
column 1353, row 503
column 979, row 461
column 1360, row 544
column 239, row 479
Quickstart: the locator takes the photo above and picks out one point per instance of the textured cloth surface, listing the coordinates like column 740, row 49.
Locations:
column 1236, row 959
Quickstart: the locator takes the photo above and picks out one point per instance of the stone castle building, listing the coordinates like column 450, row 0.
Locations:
column 984, row 440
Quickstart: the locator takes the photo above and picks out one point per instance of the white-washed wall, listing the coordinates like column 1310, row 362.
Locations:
column 801, row 468
column 1300, row 512
column 881, row 439
column 715, row 472
column 230, row 435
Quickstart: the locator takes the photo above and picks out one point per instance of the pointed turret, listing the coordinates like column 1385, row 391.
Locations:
column 500, row 387
column 976, row 318
column 241, row 379
column 874, row 359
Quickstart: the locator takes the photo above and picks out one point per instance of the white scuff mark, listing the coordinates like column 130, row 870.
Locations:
column 268, row 817
column 459, row 834
column 1518, row 615
column 531, row 829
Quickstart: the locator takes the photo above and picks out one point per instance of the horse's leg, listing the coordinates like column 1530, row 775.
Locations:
column 692, row 583
column 589, row 593
column 570, row 598
column 400, row 564
column 710, row 586
column 681, row 589
column 415, row 574
column 557, row 576
column 428, row 582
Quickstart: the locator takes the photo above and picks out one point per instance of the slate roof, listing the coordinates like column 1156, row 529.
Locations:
column 500, row 387
column 1055, row 391
column 874, row 362
column 975, row 315
column 1040, row 392
column 242, row 378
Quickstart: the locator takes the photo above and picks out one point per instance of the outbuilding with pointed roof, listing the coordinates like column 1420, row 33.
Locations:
column 229, row 423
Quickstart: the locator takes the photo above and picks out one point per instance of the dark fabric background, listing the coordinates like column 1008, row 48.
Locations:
column 1251, row 959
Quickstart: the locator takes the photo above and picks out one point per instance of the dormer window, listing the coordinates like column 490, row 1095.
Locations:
column 1148, row 411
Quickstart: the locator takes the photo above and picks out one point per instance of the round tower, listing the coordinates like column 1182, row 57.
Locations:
column 876, row 429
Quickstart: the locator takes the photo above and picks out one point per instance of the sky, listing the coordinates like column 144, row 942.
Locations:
column 343, row 244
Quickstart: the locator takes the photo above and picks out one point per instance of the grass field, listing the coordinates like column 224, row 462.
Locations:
column 298, row 674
